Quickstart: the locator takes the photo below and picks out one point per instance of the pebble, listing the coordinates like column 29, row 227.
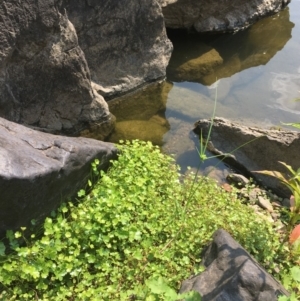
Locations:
column 265, row 203
column 276, row 204
column 237, row 179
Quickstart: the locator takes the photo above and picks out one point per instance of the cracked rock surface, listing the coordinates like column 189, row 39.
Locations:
column 38, row 171
column 44, row 77
column 125, row 42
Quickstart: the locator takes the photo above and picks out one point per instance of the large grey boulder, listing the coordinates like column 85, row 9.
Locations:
column 253, row 149
column 44, row 77
column 218, row 15
column 125, row 42
column 232, row 274
column 38, row 171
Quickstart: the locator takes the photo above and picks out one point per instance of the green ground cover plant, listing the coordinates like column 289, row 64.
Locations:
column 135, row 235
column 291, row 281
column 291, row 180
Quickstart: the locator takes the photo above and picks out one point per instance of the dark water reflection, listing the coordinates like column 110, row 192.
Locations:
column 202, row 59
column 258, row 72
column 142, row 115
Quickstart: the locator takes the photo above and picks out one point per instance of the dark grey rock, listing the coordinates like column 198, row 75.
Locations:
column 38, row 171
column 217, row 15
column 44, row 77
column 261, row 149
column 125, row 42
column 232, row 274
column 286, row 203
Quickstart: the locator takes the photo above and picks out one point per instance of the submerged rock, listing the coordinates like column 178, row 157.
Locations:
column 253, row 47
column 38, row 171
column 142, row 104
column 146, row 130
column 224, row 55
column 199, row 60
column 253, row 149
column 44, row 78
column 218, row 16
column 149, row 123
column 232, row 274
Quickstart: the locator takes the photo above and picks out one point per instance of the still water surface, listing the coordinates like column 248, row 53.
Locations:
column 255, row 73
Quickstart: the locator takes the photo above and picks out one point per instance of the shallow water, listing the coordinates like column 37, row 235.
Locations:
column 255, row 75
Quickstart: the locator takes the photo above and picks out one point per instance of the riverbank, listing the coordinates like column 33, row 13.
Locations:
column 136, row 223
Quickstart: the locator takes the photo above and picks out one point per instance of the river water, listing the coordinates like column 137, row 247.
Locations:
column 253, row 74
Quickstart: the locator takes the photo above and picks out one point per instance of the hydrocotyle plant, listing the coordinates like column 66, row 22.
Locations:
column 124, row 235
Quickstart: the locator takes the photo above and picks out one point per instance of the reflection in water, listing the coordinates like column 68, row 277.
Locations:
column 224, row 55
column 192, row 59
column 141, row 115
column 184, row 108
column 146, row 130
column 165, row 114
column 284, row 88
column 252, row 47
column 142, row 104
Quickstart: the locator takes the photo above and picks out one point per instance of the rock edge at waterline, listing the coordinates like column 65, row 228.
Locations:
column 253, row 149
column 218, row 15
